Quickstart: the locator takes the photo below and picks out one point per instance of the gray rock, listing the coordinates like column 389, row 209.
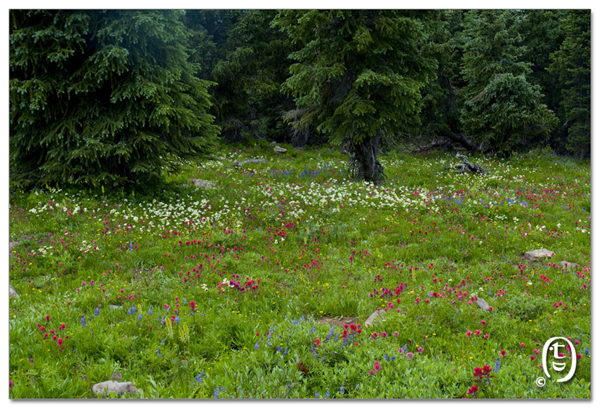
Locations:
column 107, row 387
column 114, row 307
column 568, row 265
column 538, row 254
column 272, row 144
column 278, row 149
column 374, row 316
column 483, row 304
column 203, row 183
column 12, row 292
column 255, row 161
column 116, row 376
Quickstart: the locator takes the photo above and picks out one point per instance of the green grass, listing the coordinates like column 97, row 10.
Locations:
column 316, row 246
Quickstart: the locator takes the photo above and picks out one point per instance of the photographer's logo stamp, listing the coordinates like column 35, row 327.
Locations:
column 558, row 348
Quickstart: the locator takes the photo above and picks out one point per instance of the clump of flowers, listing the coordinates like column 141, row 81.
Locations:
column 355, row 330
column 483, row 377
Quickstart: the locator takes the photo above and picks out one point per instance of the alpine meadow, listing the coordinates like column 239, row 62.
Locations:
column 300, row 204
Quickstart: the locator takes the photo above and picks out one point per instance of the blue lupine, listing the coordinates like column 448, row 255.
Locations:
column 257, row 345
column 279, row 349
column 150, row 311
column 317, row 394
column 140, row 317
column 177, row 319
column 587, row 351
column 342, row 389
column 199, row 377
column 130, row 246
column 327, row 394
column 97, row 311
column 217, row 393
column 312, row 331
column 160, row 355
column 83, row 321
column 330, row 334
column 497, row 368
column 285, row 352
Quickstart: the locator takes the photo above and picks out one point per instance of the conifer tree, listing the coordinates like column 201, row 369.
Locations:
column 572, row 64
column 357, row 78
column 249, row 77
column 502, row 108
column 99, row 97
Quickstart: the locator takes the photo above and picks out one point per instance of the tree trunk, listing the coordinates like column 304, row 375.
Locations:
column 363, row 160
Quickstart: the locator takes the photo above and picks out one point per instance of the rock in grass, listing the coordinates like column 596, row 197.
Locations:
column 568, row 265
column 116, row 376
column 278, row 149
column 203, row 183
column 371, row 319
column 538, row 254
column 12, row 292
column 120, row 388
column 483, row 304
column 254, row 161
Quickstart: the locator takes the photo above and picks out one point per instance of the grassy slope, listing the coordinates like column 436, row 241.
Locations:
column 422, row 245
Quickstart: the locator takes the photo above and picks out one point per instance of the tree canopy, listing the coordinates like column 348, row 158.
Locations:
column 118, row 96
column 103, row 96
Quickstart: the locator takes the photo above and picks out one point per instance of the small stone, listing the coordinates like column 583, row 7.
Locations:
column 568, row 265
column 538, row 254
column 12, row 293
column 254, row 161
column 203, row 183
column 116, row 376
column 114, row 307
column 278, row 149
column 107, row 387
column 483, row 304
column 272, row 144
column 371, row 319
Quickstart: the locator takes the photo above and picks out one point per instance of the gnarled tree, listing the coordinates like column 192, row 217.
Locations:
column 357, row 78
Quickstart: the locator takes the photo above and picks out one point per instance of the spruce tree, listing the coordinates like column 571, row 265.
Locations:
column 99, row 97
column 249, row 76
column 502, row 108
column 357, row 78
column 572, row 63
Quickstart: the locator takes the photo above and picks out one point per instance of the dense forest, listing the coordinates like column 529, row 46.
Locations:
column 119, row 96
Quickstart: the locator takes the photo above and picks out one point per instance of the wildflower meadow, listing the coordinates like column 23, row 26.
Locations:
column 261, row 283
